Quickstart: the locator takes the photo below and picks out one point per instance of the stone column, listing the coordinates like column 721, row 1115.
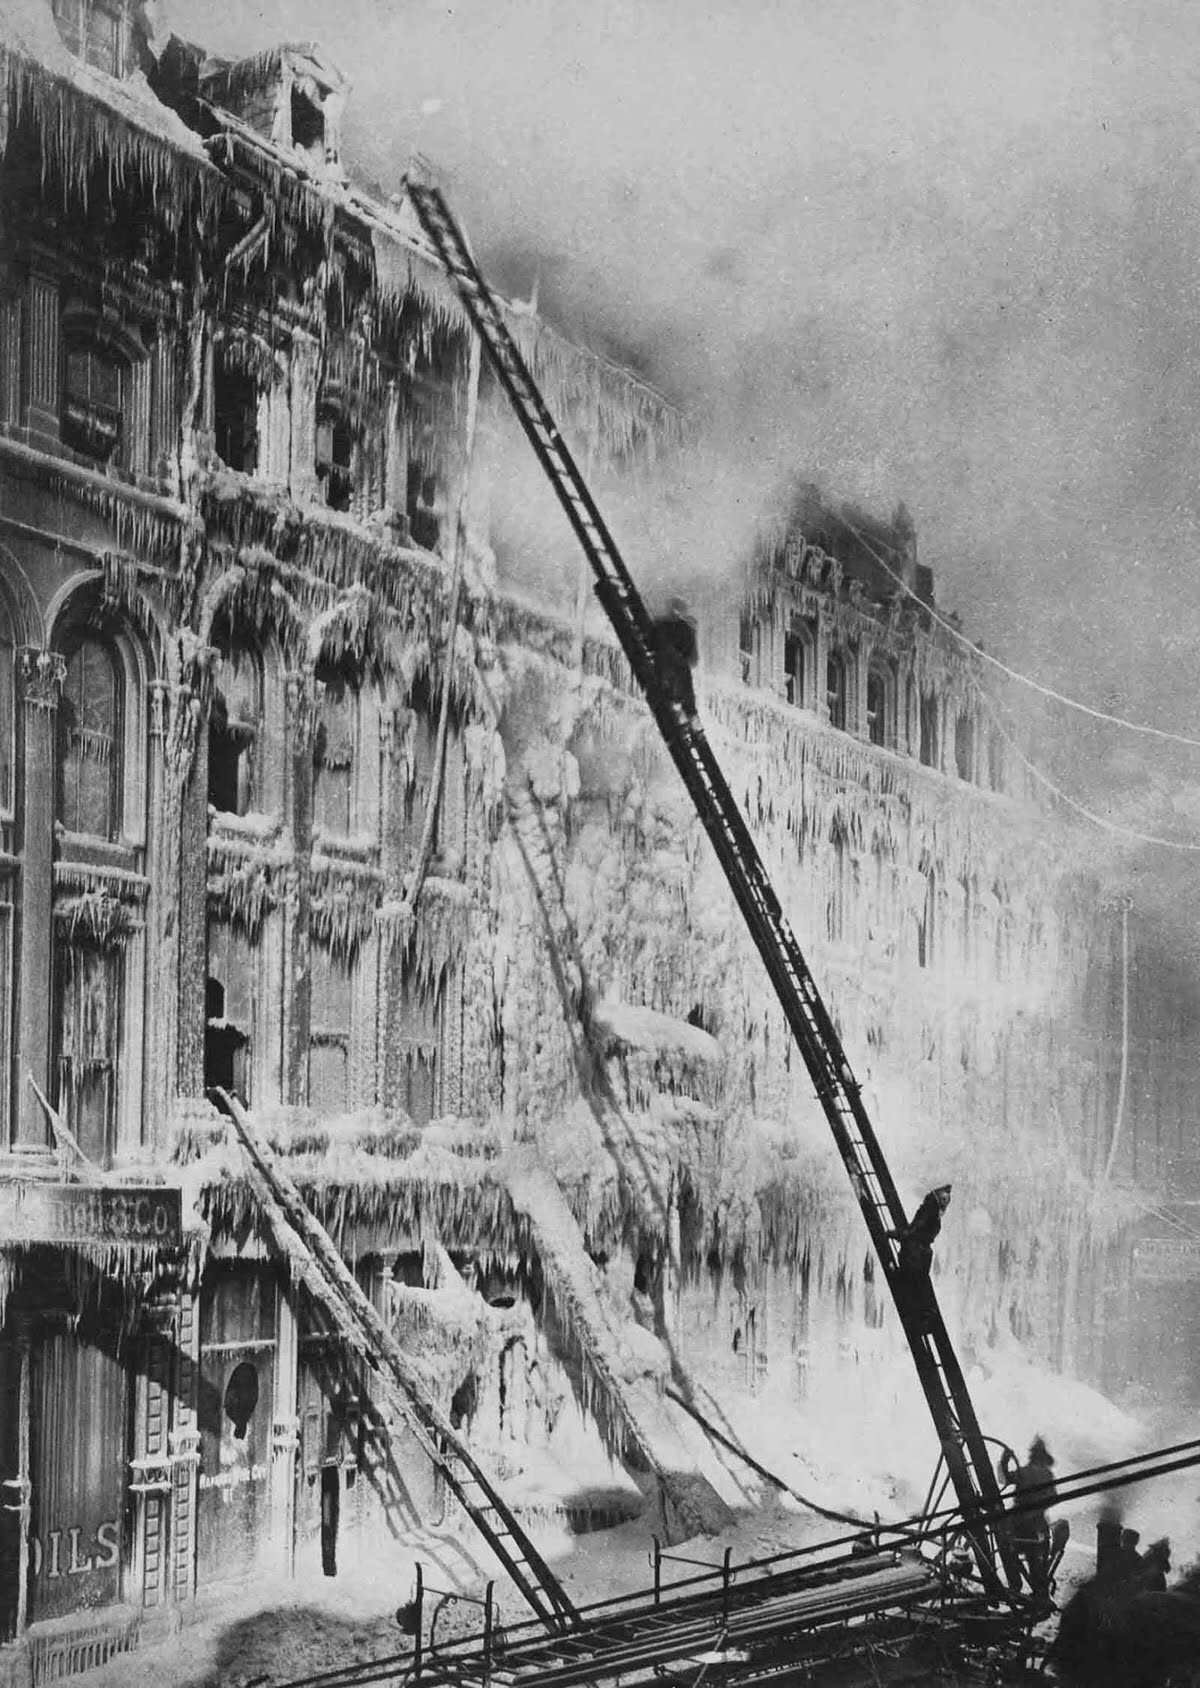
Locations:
column 192, row 773
column 137, row 422
column 16, row 1491
column 152, row 1468
column 184, row 1445
column 945, row 754
column 303, row 701
column 42, row 343
column 161, row 961
column 285, row 1437
column 305, row 367
column 164, row 411
column 395, row 457
column 10, row 361
column 41, row 677
column 858, row 662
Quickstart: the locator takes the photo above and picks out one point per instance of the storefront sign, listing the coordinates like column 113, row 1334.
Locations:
column 79, row 1213
column 76, row 1552
column 1167, row 1259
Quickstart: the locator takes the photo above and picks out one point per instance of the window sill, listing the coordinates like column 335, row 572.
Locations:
column 54, row 459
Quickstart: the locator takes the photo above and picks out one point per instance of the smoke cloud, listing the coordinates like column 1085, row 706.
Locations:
column 930, row 250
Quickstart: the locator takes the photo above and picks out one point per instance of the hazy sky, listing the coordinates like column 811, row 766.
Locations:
column 932, row 251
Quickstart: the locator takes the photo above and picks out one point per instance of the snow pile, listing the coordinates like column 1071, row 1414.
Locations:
column 627, row 1026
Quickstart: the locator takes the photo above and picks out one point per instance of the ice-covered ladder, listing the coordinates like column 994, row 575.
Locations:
column 336, row 1291
column 963, row 1445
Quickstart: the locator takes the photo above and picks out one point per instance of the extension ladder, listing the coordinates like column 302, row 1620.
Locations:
column 963, row 1445
column 337, row 1292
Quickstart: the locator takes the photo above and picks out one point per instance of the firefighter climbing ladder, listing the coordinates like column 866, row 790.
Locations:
column 963, row 1445
column 336, row 1290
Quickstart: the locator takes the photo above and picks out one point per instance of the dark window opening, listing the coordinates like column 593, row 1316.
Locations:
column 235, row 417
column 89, row 725
column 423, row 519
column 835, row 690
column 929, row 730
column 308, row 126
column 233, row 726
column 90, row 420
column 331, row 1511
column 746, row 632
column 335, row 454
column 224, row 1045
column 464, row 1401
column 877, row 709
column 241, row 1398
column 647, row 1273
column 793, row 669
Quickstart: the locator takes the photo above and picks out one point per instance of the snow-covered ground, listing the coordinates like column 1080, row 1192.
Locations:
column 300, row 1628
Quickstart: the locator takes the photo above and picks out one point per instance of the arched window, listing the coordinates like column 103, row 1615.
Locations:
column 89, row 741
column 929, row 729
column 880, row 729
column 335, row 753
column 964, row 746
column 234, row 725
column 835, row 688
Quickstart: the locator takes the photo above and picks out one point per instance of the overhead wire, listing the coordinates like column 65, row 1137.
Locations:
column 1115, row 827
column 957, row 634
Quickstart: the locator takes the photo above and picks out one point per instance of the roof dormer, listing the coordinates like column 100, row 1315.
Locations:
column 292, row 95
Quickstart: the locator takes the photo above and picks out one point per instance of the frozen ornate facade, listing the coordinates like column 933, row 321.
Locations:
column 496, row 1007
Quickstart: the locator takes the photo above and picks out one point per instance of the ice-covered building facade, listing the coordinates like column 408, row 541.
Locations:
column 495, row 1007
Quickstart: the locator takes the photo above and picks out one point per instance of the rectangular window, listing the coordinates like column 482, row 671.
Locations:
column 229, row 1010
column 332, row 977
column 103, row 40
column 413, row 1057
column 449, row 835
column 92, row 401
column 747, row 644
column 68, row 15
column 335, row 462
column 88, row 742
column 334, row 750
column 87, row 991
column 793, row 669
column 235, row 416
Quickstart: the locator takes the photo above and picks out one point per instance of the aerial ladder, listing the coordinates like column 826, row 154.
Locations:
column 963, row 1445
